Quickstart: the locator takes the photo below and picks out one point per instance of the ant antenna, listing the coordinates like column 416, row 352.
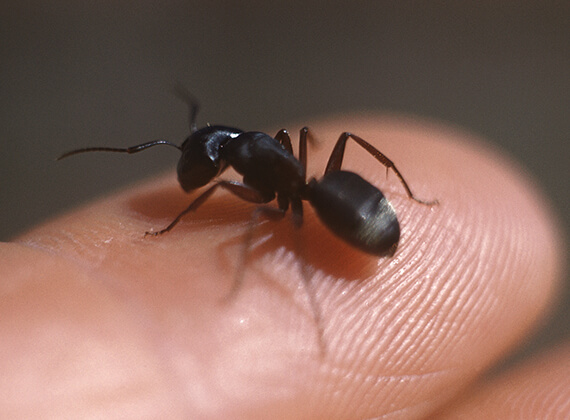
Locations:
column 190, row 100
column 129, row 150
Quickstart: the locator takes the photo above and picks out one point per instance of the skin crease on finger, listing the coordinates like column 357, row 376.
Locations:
column 110, row 321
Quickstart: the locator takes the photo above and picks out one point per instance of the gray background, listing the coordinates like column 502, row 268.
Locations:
column 74, row 74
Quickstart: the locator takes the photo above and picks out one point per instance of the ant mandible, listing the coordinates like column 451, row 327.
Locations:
column 348, row 205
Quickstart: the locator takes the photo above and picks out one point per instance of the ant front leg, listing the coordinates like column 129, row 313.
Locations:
column 335, row 161
column 303, row 135
column 283, row 137
column 241, row 190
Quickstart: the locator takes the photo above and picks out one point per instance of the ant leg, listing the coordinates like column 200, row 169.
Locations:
column 242, row 191
column 305, row 135
column 335, row 161
column 297, row 220
column 283, row 137
column 129, row 150
column 297, row 212
column 303, row 147
column 193, row 104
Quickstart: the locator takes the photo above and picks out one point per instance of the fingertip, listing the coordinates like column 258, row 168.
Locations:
column 470, row 277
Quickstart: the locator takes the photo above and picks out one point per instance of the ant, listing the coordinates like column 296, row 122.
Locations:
column 347, row 204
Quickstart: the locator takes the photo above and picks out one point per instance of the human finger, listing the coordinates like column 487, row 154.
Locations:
column 402, row 335
column 538, row 389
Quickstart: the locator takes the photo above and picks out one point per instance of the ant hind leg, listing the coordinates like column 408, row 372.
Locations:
column 337, row 155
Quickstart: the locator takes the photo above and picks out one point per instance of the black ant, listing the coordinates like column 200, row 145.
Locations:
column 348, row 205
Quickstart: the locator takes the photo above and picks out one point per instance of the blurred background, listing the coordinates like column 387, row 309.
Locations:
column 75, row 74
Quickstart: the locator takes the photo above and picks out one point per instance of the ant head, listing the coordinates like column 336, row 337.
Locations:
column 200, row 162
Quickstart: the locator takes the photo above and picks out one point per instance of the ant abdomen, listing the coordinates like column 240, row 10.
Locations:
column 356, row 211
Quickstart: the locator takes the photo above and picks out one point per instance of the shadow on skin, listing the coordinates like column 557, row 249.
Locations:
column 320, row 249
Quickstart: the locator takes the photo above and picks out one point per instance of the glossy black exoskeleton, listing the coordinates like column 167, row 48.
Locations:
column 347, row 204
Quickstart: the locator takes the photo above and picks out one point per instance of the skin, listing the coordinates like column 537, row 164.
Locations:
column 97, row 320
